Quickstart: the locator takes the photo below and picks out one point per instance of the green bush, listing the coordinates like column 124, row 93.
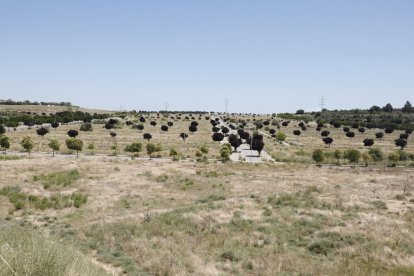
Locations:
column 135, row 147
column 394, row 157
column 352, row 155
column 225, row 153
column 317, row 156
column 404, row 156
column 376, row 154
column 280, row 136
column 86, row 127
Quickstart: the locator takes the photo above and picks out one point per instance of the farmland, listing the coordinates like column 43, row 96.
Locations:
column 196, row 212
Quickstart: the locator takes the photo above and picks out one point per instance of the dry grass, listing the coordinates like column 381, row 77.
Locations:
column 212, row 219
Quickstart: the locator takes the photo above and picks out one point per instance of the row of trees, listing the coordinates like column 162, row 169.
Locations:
column 353, row 156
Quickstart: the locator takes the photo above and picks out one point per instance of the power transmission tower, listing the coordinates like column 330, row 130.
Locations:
column 227, row 105
column 322, row 103
column 166, row 106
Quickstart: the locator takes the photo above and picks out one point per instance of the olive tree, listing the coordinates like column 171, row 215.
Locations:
column 317, row 156
column 280, row 136
column 74, row 144
column 27, row 144
column 54, row 145
column 86, row 127
column 4, row 143
column 225, row 153
column 352, row 155
column 135, row 148
column 153, row 148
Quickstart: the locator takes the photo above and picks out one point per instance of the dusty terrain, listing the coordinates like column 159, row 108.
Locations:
column 179, row 218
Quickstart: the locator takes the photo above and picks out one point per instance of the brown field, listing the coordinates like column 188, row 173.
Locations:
column 129, row 216
column 182, row 218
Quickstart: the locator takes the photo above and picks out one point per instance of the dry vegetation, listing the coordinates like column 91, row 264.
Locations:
column 104, row 214
column 169, row 218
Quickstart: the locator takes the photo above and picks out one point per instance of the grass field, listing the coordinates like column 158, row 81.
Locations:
column 103, row 214
column 170, row 218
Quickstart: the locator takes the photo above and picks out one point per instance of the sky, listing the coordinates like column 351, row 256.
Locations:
column 265, row 56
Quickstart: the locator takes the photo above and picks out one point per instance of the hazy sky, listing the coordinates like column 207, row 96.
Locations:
column 265, row 56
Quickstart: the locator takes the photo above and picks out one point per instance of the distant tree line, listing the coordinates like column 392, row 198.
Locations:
column 27, row 102
column 13, row 119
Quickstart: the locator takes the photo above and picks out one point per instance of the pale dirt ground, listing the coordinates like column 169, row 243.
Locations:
column 110, row 183
column 124, row 191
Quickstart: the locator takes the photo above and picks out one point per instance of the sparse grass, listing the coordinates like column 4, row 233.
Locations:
column 186, row 183
column 24, row 252
column 4, row 157
column 63, row 178
column 172, row 218
column 57, row 201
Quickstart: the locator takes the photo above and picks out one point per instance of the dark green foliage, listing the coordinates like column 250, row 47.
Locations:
column 73, row 133
column 317, row 156
column 297, row 132
column 74, row 144
column 42, row 131
column 402, row 143
column 134, row 148
column 86, row 127
column 325, row 133
column 368, row 142
column 350, row 134
column 218, row 137
column 328, row 141
column 183, row 136
column 147, row 136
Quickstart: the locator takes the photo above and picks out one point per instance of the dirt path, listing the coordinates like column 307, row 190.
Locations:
column 244, row 153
